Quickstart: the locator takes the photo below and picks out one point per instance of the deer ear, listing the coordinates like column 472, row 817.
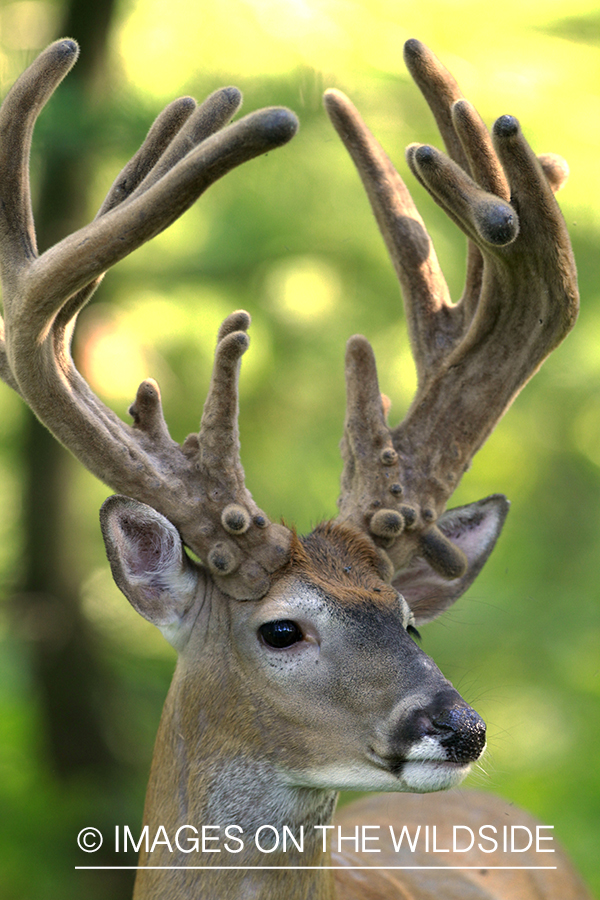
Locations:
column 149, row 565
column 475, row 529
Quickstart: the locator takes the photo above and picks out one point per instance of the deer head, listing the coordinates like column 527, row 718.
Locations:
column 298, row 673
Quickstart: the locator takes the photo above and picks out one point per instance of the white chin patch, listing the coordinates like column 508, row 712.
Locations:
column 428, row 769
column 424, row 776
column 427, row 748
column 425, row 768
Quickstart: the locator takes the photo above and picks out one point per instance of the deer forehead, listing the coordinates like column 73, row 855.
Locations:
column 320, row 605
column 335, row 573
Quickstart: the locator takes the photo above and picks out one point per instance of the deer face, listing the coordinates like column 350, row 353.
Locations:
column 364, row 707
column 335, row 691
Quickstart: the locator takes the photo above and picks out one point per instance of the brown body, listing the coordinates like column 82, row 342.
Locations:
column 485, row 876
column 298, row 673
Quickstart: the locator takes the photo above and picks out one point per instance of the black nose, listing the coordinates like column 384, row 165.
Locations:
column 461, row 732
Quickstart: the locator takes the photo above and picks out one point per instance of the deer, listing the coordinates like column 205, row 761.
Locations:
column 299, row 673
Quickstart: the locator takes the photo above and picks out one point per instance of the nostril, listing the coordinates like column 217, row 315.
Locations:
column 444, row 721
column 456, row 718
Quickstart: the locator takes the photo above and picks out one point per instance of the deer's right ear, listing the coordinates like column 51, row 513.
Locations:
column 149, row 565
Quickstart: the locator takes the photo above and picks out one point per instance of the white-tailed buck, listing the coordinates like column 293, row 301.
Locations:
column 298, row 674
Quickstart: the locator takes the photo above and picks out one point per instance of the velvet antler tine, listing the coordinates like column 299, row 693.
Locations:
column 162, row 132
column 147, row 414
column 397, row 216
column 473, row 357
column 367, row 451
column 483, row 217
column 365, row 417
column 241, row 546
column 442, row 93
column 410, row 248
column 207, row 119
column 199, row 486
column 18, row 115
column 80, row 258
column 235, row 321
column 530, row 188
column 474, row 259
column 486, row 171
column 219, row 436
column 476, row 142
column 373, row 165
column 540, row 214
column 440, row 90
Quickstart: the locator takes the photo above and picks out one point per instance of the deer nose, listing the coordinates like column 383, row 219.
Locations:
column 461, row 732
column 455, row 727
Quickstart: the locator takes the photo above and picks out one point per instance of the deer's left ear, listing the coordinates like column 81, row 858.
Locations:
column 149, row 565
column 475, row 529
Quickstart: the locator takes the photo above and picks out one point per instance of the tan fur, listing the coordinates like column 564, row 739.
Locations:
column 470, row 808
column 339, row 557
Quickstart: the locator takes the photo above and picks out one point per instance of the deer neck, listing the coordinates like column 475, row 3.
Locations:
column 202, row 776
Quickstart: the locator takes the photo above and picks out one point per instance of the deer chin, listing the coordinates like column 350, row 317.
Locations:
column 426, row 775
column 416, row 776
column 427, row 766
column 350, row 777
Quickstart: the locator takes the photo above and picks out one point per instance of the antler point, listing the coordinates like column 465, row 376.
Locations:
column 424, row 154
column 506, row 126
column 235, row 519
column 233, row 345
column 278, row 125
column 69, row 45
column 412, row 49
column 334, row 97
column 499, row 224
column 222, row 559
column 358, row 345
column 147, row 401
column 387, row 523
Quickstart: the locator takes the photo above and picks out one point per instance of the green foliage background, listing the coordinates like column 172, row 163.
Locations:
column 290, row 237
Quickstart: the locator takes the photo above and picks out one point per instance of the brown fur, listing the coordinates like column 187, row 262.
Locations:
column 338, row 557
column 486, row 882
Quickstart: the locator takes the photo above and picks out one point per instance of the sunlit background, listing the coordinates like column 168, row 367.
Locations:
column 290, row 238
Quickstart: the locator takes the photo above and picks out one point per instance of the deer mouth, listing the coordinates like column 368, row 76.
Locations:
column 426, row 773
column 423, row 776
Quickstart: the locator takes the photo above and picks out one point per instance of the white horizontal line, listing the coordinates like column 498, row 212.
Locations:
column 342, row 868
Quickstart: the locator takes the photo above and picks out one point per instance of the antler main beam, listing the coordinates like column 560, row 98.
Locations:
column 472, row 357
column 187, row 149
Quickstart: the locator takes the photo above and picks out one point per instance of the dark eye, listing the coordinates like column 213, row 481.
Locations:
column 280, row 634
column 413, row 632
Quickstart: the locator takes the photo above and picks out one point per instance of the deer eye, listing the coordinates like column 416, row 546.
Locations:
column 281, row 633
column 416, row 635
